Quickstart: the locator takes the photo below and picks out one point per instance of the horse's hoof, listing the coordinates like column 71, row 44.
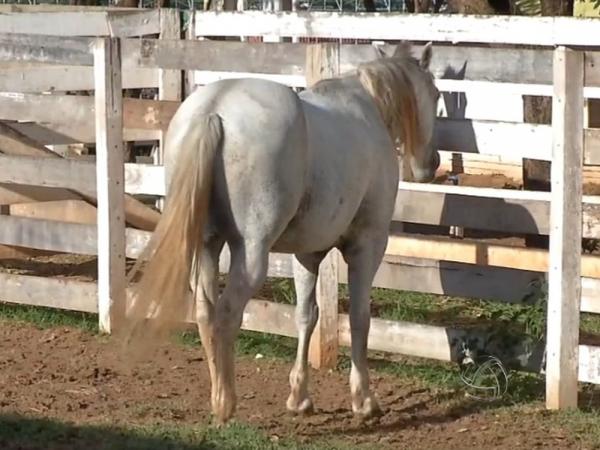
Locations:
column 370, row 409
column 303, row 407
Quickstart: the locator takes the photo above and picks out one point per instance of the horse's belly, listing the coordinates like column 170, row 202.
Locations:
column 319, row 227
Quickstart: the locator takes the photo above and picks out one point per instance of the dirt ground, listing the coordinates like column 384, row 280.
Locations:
column 71, row 376
column 74, row 377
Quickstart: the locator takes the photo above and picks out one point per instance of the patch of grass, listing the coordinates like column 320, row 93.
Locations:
column 251, row 343
column 584, row 425
column 23, row 432
column 49, row 317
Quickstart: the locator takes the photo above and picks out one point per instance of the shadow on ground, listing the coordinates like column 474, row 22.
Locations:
column 26, row 433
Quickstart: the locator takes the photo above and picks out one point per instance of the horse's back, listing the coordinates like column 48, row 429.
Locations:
column 261, row 172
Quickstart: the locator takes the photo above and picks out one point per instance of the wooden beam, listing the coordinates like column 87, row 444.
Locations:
column 64, row 133
column 12, row 193
column 547, row 31
column 77, row 111
column 66, row 78
column 78, row 23
column 77, row 175
column 59, row 293
column 110, row 182
column 14, row 143
column 46, row 49
column 74, row 211
column 170, row 81
column 481, row 254
column 323, row 61
column 564, row 284
column 503, row 210
column 485, row 137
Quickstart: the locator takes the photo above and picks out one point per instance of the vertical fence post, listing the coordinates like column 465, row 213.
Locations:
column 170, row 82
column 322, row 61
column 564, row 290
column 110, row 183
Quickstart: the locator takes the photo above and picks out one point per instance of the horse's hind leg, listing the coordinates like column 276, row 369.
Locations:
column 248, row 270
column 206, row 297
column 306, row 269
column 363, row 257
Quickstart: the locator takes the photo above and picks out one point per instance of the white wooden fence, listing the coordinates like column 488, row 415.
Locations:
column 436, row 265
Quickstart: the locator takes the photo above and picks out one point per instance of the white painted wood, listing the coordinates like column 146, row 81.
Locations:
column 65, row 78
column 110, row 183
column 49, row 292
column 483, row 88
column 323, row 61
column 78, row 23
column 513, row 140
column 480, row 253
column 77, row 111
column 77, row 175
column 399, row 26
column 65, row 133
column 63, row 237
column 170, row 85
column 564, row 275
column 323, row 349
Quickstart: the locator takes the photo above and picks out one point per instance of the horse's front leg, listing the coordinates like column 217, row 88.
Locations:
column 306, row 270
column 363, row 257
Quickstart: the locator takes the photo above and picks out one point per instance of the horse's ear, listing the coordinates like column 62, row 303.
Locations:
column 379, row 52
column 426, row 55
column 403, row 48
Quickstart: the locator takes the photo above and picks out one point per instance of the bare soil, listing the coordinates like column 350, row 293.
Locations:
column 71, row 376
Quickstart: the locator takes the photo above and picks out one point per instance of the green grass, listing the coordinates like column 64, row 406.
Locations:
column 48, row 317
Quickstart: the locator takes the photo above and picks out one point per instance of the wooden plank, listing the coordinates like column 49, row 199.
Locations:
column 78, row 23
column 12, row 194
column 74, row 211
column 170, row 81
column 564, row 275
column 464, row 62
column 138, row 23
column 323, row 61
column 49, row 292
column 504, row 210
column 64, row 134
column 77, row 175
column 323, row 348
column 518, row 140
column 478, row 88
column 226, row 56
column 66, row 78
column 110, row 182
column 53, row 8
column 62, row 237
column 77, row 111
column 591, row 146
column 481, row 253
column 47, row 172
column 547, row 31
column 46, row 49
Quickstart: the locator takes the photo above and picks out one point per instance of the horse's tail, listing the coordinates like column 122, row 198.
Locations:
column 171, row 255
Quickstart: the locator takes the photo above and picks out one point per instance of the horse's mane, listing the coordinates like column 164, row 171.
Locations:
column 388, row 83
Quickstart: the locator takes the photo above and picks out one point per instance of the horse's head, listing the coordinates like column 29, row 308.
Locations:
column 404, row 91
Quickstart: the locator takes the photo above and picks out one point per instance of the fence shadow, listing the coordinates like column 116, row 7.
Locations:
column 20, row 432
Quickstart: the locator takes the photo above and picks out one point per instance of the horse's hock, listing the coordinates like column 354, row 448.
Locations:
column 104, row 205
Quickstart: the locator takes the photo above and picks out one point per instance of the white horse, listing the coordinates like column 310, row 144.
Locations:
column 252, row 164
